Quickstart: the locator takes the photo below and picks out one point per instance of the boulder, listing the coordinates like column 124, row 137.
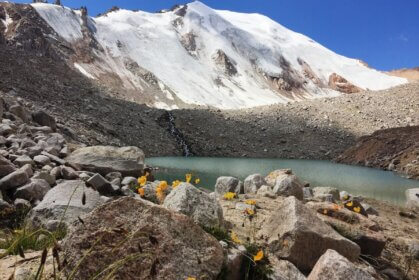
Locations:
column 22, row 204
column 128, row 181
column 27, row 168
column 43, row 119
column 41, row 160
column 412, row 198
column 22, row 160
column 353, row 226
column 5, row 129
column 284, row 270
column 20, row 112
column 154, row 242
column 320, row 192
column 288, row 185
column 253, row 183
column 13, row 180
column 6, row 167
column 235, row 257
column 271, row 177
column 226, row 184
column 35, row 190
column 307, row 193
column 333, row 266
column 45, row 176
column 294, row 233
column 54, row 204
column 68, row 173
column 200, row 206
column 129, row 161
column 100, row 184
column 369, row 209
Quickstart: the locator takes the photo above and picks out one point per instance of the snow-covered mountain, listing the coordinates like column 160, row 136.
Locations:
column 195, row 55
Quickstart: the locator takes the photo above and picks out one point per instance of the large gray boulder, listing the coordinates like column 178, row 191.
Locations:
column 200, row 206
column 294, row 233
column 289, row 185
column 43, row 119
column 253, row 183
column 129, row 161
column 333, row 266
column 284, row 270
column 156, row 243
column 412, row 198
column 34, row 191
column 14, row 180
column 226, row 184
column 54, row 205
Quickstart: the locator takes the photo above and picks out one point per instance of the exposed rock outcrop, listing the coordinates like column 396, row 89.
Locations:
column 339, row 83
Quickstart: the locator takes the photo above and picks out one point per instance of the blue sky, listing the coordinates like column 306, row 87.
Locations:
column 383, row 33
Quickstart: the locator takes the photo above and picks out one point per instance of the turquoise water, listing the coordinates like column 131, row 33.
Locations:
column 368, row 182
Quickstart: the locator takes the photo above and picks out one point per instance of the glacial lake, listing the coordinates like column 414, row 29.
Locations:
column 364, row 181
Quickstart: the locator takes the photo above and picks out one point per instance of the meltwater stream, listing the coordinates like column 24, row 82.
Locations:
column 368, row 182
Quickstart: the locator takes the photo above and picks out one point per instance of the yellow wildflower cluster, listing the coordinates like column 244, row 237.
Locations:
column 250, row 202
column 258, row 256
column 229, row 195
column 161, row 190
column 249, row 212
column 142, row 181
column 188, row 177
column 235, row 238
column 141, row 192
column 176, row 183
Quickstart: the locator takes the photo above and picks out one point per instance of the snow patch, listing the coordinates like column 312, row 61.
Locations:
column 7, row 22
column 83, row 71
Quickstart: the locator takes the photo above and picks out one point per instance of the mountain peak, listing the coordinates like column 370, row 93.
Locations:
column 195, row 55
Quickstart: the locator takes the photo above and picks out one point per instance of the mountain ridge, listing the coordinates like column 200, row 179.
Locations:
column 196, row 56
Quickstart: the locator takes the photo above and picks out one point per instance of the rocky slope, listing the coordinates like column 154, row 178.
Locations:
column 412, row 74
column 394, row 149
column 190, row 55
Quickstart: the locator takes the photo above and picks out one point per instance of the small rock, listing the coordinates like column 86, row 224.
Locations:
column 45, row 176
column 33, row 191
column 253, row 182
column 127, row 181
column 22, row 204
column 333, row 266
column 226, row 184
column 321, row 191
column 188, row 200
column 68, row 173
column 13, row 180
column 22, row 160
column 369, row 209
column 42, row 160
column 100, row 184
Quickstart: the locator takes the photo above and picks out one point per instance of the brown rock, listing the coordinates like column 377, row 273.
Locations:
column 339, row 83
column 151, row 242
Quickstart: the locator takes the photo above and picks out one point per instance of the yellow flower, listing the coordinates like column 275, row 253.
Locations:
column 175, row 183
column 235, row 238
column 259, row 256
column 188, row 177
column 345, row 197
column 349, row 204
column 249, row 212
column 357, row 209
column 191, row 278
column 141, row 192
column 250, row 202
column 163, row 185
column 160, row 194
column 229, row 195
column 197, row 180
column 142, row 181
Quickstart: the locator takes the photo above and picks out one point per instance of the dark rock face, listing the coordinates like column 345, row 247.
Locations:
column 153, row 242
column 395, row 149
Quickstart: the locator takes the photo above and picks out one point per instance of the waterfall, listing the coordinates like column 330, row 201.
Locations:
column 178, row 135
